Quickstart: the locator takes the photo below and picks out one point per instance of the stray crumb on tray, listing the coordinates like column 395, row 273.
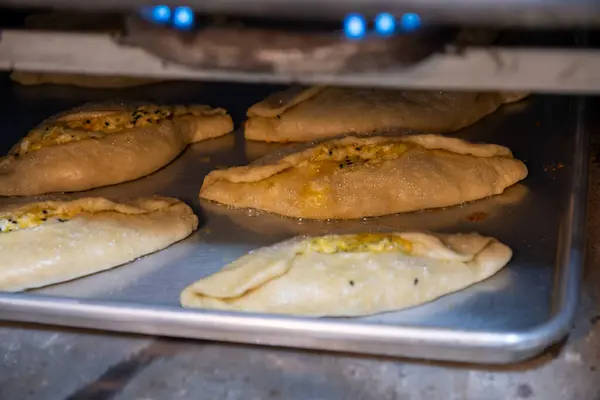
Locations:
column 554, row 167
column 477, row 216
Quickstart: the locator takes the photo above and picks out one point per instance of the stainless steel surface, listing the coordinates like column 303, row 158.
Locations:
column 39, row 363
column 484, row 68
column 509, row 317
column 534, row 13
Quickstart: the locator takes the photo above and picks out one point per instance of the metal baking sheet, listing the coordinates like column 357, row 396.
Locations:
column 512, row 316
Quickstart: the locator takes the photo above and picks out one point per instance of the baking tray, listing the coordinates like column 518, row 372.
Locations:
column 512, row 316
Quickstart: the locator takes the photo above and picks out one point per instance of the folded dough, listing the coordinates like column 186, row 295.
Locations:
column 356, row 177
column 55, row 241
column 349, row 275
column 297, row 115
column 104, row 144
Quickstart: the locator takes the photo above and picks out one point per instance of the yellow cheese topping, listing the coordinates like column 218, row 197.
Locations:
column 360, row 243
column 64, row 131
column 35, row 217
column 347, row 156
column 315, row 194
column 332, row 159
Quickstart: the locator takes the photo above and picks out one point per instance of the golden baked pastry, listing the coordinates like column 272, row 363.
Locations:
column 102, row 144
column 356, row 177
column 349, row 275
column 55, row 241
column 297, row 115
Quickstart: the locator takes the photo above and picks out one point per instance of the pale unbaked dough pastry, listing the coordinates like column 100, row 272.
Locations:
column 356, row 177
column 349, row 275
column 104, row 144
column 297, row 115
column 55, row 241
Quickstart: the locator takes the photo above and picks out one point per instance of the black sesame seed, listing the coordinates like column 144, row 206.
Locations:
column 44, row 211
column 12, row 221
column 351, row 283
column 330, row 152
column 341, row 165
column 62, row 220
column 357, row 148
column 88, row 121
column 416, row 282
column 107, row 123
column 44, row 219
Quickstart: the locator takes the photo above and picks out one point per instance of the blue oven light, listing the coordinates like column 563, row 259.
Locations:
column 161, row 14
column 183, row 17
column 385, row 24
column 410, row 21
column 355, row 26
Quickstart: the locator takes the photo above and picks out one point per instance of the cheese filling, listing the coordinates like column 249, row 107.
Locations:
column 65, row 131
column 360, row 243
column 347, row 156
column 34, row 217
column 337, row 158
column 315, row 194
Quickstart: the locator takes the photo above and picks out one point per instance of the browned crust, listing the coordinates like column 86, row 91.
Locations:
column 112, row 159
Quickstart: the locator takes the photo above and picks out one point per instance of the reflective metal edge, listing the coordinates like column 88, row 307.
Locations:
column 530, row 13
column 494, row 68
column 439, row 344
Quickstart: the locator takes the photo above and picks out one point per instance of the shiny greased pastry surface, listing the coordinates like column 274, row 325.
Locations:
column 104, row 144
column 296, row 115
column 357, row 177
column 55, row 241
column 349, row 275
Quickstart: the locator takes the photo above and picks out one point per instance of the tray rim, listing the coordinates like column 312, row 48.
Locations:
column 367, row 338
